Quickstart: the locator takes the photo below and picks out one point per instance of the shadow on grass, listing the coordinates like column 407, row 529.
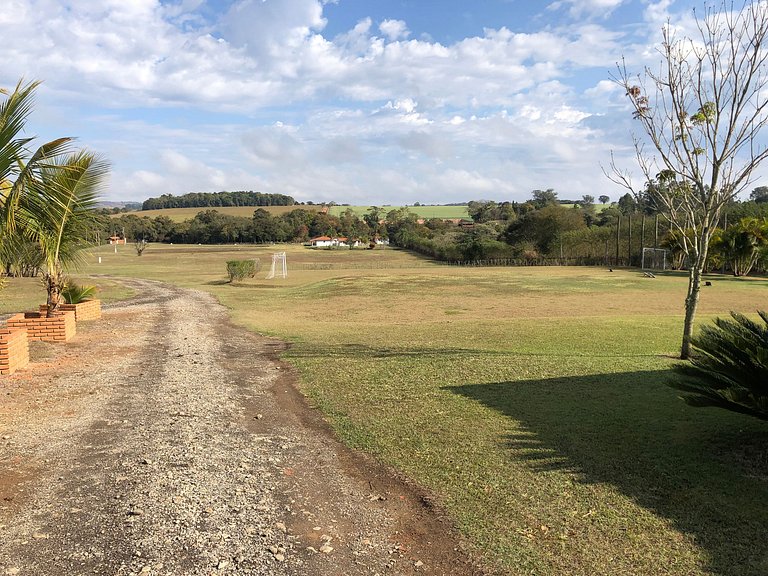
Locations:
column 714, row 277
column 363, row 351
column 704, row 470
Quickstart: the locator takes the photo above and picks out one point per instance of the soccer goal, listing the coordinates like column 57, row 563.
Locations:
column 654, row 259
column 279, row 266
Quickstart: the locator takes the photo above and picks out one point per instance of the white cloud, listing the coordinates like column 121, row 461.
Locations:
column 264, row 53
column 266, row 28
column 394, row 29
column 657, row 12
column 579, row 8
column 179, row 174
column 372, row 111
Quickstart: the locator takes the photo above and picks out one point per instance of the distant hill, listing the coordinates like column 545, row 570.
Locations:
column 217, row 200
column 181, row 214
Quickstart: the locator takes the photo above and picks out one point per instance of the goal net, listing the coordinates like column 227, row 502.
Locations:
column 279, row 267
column 654, row 259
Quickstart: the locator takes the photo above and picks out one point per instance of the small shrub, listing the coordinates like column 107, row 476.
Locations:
column 74, row 293
column 241, row 269
column 730, row 367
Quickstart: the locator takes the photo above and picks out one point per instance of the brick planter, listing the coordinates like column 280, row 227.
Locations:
column 14, row 350
column 58, row 328
column 85, row 310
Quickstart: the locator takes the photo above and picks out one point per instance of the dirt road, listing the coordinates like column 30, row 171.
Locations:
column 165, row 440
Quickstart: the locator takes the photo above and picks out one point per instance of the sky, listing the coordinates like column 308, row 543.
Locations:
column 352, row 101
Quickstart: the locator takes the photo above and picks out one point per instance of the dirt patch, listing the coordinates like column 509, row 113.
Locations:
column 165, row 440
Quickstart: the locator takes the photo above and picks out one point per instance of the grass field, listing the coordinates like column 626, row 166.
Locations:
column 531, row 401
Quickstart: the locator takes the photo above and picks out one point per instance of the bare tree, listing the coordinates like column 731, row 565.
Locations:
column 702, row 114
column 140, row 246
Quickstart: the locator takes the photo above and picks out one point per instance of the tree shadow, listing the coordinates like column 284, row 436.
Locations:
column 355, row 351
column 715, row 277
column 704, row 470
column 364, row 351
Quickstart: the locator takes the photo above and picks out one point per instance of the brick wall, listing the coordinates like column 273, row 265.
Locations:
column 59, row 328
column 85, row 310
column 14, row 350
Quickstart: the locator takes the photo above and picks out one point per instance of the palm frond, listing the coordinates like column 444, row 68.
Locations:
column 730, row 367
column 14, row 112
column 75, row 293
column 59, row 205
column 17, row 166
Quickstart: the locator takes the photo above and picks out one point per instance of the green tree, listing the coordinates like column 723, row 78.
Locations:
column 759, row 195
column 702, row 114
column 373, row 217
column 544, row 227
column 587, row 205
column 264, row 227
column 541, row 198
column 627, row 204
column 604, row 199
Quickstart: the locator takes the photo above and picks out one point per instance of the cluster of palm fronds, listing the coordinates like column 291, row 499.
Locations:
column 730, row 367
column 75, row 293
column 47, row 196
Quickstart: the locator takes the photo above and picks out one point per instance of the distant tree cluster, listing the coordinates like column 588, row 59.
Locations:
column 544, row 231
column 217, row 200
column 214, row 227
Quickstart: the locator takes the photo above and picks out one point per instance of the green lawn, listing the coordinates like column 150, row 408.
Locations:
column 531, row 401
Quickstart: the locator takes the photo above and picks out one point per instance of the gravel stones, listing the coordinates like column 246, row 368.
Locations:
column 178, row 447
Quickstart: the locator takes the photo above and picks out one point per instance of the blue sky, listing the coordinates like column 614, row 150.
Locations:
column 352, row 101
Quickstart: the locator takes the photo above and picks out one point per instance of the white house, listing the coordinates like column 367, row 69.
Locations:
column 324, row 241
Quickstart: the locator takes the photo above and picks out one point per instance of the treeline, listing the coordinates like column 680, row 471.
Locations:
column 213, row 227
column 217, row 200
column 542, row 231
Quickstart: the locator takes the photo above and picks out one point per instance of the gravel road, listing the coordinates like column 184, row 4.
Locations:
column 165, row 440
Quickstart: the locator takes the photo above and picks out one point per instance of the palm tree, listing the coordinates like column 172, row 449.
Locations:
column 741, row 244
column 56, row 211
column 47, row 196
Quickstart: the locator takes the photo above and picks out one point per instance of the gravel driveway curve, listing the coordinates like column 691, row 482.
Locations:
column 165, row 440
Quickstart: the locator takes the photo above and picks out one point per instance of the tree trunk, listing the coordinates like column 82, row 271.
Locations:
column 691, row 304
column 54, row 285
